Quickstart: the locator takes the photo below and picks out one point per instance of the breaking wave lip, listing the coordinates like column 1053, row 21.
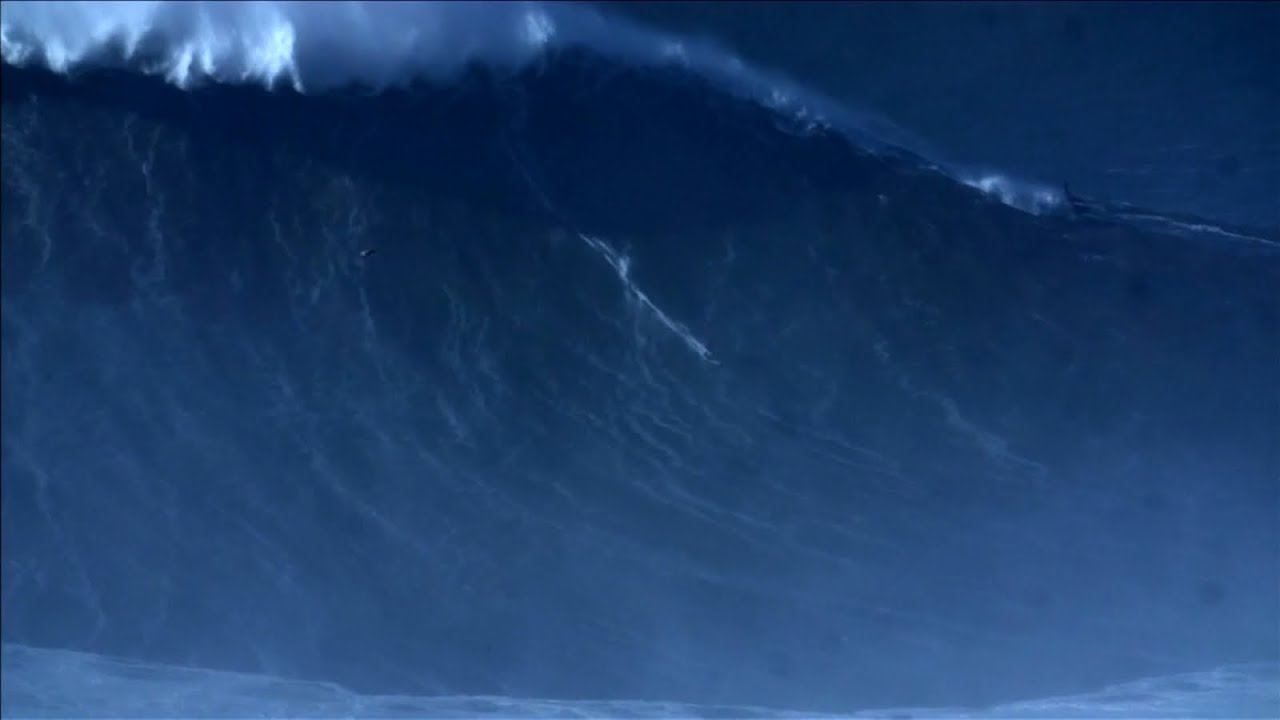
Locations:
column 312, row 47
column 318, row 46
column 1028, row 196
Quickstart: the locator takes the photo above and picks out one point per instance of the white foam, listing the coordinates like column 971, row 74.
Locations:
column 314, row 46
column 317, row 46
column 326, row 43
column 1028, row 196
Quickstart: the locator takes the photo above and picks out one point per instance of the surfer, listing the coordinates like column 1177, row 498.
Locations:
column 367, row 252
column 1077, row 203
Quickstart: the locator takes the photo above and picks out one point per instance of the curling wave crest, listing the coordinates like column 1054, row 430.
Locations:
column 318, row 46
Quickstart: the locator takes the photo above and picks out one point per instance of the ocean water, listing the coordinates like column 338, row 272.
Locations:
column 514, row 360
column 1169, row 105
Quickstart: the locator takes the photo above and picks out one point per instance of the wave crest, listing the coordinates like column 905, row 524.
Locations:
column 1031, row 197
column 314, row 46
column 317, row 46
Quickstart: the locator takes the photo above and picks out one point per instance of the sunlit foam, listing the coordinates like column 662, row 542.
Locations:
column 1027, row 196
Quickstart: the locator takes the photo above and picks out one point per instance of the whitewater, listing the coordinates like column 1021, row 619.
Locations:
column 59, row 683
column 325, row 46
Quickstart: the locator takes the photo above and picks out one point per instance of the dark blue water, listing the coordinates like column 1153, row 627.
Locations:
column 589, row 381
column 1170, row 105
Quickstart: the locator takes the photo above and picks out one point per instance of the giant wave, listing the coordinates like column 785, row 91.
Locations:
column 564, row 375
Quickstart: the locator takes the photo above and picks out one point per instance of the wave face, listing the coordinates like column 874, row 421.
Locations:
column 587, row 378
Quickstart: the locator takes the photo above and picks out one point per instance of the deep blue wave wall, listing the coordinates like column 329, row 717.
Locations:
column 354, row 387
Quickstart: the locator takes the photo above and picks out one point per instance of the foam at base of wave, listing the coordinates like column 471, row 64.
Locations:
column 57, row 683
